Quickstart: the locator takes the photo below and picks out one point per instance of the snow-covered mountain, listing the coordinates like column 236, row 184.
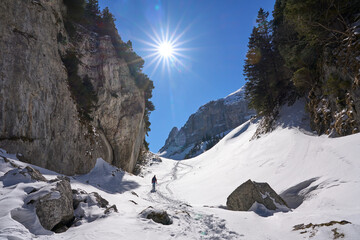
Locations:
column 317, row 175
column 205, row 127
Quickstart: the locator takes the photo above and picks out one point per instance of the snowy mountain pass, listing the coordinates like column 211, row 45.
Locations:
column 317, row 176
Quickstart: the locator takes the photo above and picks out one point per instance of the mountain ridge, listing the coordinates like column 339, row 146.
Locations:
column 208, row 124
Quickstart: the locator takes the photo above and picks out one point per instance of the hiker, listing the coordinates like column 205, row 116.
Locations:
column 153, row 181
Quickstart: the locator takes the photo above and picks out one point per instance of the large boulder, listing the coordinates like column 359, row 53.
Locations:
column 54, row 205
column 258, row 197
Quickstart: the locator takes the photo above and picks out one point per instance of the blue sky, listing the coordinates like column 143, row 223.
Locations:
column 213, row 37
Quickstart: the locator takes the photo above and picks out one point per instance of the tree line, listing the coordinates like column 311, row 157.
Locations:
column 309, row 47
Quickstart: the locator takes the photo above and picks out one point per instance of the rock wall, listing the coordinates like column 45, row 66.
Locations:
column 211, row 119
column 38, row 117
column 121, row 105
column 336, row 114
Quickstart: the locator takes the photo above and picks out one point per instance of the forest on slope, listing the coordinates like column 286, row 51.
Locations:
column 309, row 49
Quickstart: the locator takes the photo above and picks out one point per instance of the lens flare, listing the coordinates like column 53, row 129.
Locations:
column 166, row 49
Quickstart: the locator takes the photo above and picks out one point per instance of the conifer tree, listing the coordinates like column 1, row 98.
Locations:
column 266, row 85
column 92, row 14
column 257, row 88
column 107, row 26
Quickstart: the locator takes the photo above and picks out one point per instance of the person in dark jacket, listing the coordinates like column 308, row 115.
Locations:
column 153, row 181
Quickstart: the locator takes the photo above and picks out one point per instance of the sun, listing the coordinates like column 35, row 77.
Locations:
column 166, row 49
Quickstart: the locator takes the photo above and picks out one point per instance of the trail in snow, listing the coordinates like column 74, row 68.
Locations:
column 191, row 220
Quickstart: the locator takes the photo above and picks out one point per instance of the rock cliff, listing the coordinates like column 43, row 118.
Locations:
column 208, row 123
column 39, row 118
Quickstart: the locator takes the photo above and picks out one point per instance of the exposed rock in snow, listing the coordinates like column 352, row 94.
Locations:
column 55, row 209
column 89, row 206
column 25, row 175
column 257, row 197
column 156, row 215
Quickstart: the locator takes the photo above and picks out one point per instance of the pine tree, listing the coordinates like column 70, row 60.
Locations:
column 92, row 14
column 267, row 82
column 107, row 25
column 257, row 88
column 75, row 9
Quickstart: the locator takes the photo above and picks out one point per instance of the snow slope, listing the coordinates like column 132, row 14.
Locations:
column 319, row 175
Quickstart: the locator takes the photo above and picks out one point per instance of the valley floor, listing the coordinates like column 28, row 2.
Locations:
column 319, row 176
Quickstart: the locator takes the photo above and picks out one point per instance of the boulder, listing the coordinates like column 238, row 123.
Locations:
column 258, row 197
column 90, row 206
column 55, row 209
column 158, row 216
column 24, row 175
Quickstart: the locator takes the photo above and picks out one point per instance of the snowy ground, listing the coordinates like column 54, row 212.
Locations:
column 320, row 175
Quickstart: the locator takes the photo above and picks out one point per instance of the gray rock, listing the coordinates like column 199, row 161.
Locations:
column 55, row 209
column 91, row 199
column 211, row 119
column 103, row 203
column 38, row 116
column 110, row 209
column 121, row 105
column 249, row 195
column 84, row 204
column 158, row 216
column 35, row 174
column 24, row 175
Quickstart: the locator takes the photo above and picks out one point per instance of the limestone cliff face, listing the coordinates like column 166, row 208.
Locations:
column 213, row 118
column 121, row 105
column 38, row 116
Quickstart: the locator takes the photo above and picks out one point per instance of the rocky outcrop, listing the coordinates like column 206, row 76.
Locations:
column 259, row 197
column 90, row 206
column 334, row 115
column 54, row 209
column 334, row 101
column 38, row 115
column 53, row 205
column 120, row 106
column 212, row 119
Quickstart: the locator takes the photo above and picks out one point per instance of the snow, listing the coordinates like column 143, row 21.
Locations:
column 320, row 176
column 235, row 97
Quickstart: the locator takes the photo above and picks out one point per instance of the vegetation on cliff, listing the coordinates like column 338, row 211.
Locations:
column 82, row 91
column 87, row 13
column 311, row 48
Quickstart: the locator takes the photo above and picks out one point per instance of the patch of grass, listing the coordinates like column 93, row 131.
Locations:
column 312, row 228
column 337, row 235
column 310, row 225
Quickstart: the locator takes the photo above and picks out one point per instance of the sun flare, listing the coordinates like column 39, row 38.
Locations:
column 166, row 49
